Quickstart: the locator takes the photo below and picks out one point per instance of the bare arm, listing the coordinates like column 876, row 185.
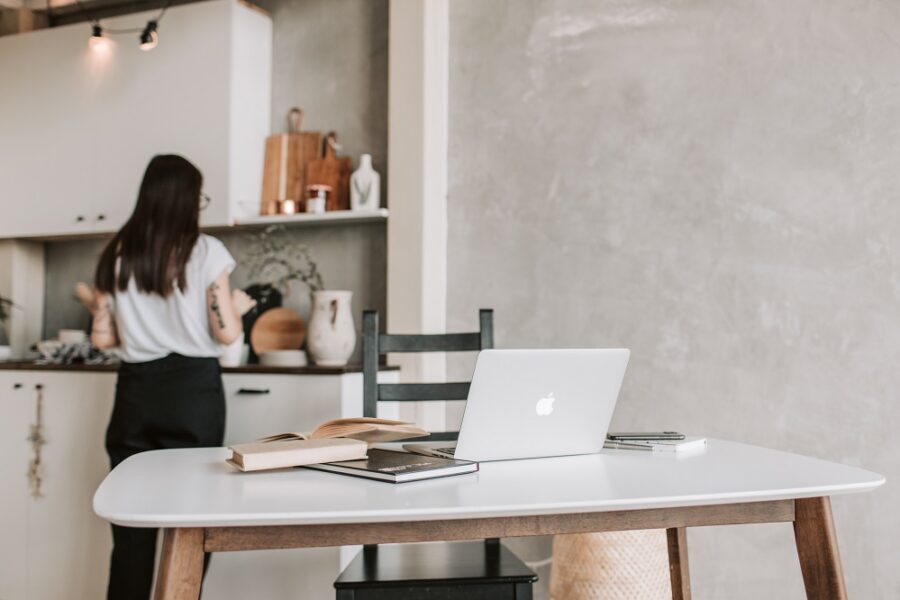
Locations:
column 103, row 325
column 225, row 309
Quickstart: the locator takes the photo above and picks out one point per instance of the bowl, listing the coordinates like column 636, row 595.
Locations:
column 283, row 358
column 71, row 336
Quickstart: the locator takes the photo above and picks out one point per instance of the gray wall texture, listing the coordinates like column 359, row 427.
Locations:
column 329, row 58
column 715, row 186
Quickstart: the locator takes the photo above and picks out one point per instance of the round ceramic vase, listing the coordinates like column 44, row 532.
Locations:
column 332, row 335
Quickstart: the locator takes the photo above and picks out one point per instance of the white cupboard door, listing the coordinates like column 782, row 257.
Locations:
column 45, row 182
column 16, row 390
column 68, row 545
column 80, row 122
column 260, row 405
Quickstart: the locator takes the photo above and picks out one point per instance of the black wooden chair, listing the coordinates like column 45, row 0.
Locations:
column 471, row 570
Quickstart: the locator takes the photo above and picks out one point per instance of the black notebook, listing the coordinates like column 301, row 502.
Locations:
column 398, row 467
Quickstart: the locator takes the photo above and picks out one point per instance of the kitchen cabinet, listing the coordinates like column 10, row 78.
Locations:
column 55, row 547
column 17, row 414
column 81, row 121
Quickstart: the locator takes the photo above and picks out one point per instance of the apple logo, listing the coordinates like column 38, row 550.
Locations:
column 544, row 405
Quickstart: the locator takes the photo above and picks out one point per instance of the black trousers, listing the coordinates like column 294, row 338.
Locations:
column 173, row 402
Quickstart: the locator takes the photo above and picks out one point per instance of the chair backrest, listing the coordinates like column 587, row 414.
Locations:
column 376, row 344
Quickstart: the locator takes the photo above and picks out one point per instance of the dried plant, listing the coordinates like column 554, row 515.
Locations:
column 276, row 260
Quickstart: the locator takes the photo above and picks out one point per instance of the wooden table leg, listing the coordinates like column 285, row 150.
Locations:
column 818, row 550
column 180, row 565
column 679, row 572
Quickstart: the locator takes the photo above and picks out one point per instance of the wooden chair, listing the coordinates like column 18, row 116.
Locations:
column 471, row 570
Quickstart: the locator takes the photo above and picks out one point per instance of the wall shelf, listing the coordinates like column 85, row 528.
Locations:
column 329, row 218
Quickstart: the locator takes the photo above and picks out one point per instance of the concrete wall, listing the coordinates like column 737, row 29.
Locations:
column 713, row 185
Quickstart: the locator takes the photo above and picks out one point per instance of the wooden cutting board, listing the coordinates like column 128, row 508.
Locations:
column 333, row 171
column 277, row 329
column 287, row 158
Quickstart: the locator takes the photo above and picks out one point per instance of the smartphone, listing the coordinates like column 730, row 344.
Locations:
column 645, row 435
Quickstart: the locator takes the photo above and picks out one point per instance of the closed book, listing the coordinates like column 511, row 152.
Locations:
column 399, row 467
column 688, row 443
column 258, row 456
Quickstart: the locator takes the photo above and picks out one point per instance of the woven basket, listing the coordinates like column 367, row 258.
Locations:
column 623, row 565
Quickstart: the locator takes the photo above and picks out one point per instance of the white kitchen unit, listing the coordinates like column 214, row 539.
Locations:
column 54, row 547
column 81, row 120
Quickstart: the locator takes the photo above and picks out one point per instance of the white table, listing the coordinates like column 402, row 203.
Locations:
column 204, row 505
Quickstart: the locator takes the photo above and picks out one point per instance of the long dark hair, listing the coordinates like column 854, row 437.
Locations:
column 156, row 242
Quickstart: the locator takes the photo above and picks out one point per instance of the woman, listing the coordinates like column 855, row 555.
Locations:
column 161, row 294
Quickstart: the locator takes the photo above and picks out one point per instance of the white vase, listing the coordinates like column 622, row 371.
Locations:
column 232, row 353
column 332, row 335
column 5, row 353
column 365, row 186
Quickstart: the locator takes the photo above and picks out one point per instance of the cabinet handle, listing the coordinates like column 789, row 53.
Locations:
column 17, row 386
column 253, row 391
column 79, row 218
column 101, row 217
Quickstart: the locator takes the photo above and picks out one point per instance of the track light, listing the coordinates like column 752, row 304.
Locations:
column 149, row 37
column 97, row 41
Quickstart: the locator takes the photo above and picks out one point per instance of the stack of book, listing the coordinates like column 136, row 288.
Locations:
column 343, row 446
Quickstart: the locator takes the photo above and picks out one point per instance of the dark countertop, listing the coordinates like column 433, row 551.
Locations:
column 248, row 369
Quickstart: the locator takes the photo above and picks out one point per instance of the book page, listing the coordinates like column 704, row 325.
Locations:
column 284, row 437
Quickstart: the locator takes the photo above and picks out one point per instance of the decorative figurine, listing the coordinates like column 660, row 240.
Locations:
column 365, row 186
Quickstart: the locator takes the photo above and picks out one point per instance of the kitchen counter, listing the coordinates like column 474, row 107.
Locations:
column 250, row 369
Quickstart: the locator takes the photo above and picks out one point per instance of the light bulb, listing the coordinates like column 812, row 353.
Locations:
column 149, row 37
column 97, row 42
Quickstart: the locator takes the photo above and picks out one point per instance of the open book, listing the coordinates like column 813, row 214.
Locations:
column 367, row 429
column 338, row 440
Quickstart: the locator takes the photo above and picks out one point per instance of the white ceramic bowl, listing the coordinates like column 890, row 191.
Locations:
column 71, row 336
column 283, row 358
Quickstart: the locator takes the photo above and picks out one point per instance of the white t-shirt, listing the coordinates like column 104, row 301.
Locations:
column 151, row 327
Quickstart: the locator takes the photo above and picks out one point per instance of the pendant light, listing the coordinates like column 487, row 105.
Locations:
column 98, row 42
column 149, row 37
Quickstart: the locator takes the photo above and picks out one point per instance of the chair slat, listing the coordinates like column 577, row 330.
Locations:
column 443, row 342
column 415, row 392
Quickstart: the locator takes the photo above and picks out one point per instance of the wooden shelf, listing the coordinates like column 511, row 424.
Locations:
column 328, row 218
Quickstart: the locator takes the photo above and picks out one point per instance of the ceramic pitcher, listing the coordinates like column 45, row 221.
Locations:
column 332, row 334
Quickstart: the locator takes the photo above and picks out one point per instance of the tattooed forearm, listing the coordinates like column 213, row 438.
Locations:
column 214, row 305
column 102, row 322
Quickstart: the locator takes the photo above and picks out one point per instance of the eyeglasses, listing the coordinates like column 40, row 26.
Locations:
column 204, row 201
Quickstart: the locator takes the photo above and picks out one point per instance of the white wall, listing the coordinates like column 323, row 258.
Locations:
column 22, row 281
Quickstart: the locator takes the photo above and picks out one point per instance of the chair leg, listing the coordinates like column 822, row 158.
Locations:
column 523, row 591
column 679, row 571
column 817, row 548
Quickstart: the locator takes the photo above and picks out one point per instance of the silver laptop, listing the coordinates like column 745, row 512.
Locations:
column 536, row 403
